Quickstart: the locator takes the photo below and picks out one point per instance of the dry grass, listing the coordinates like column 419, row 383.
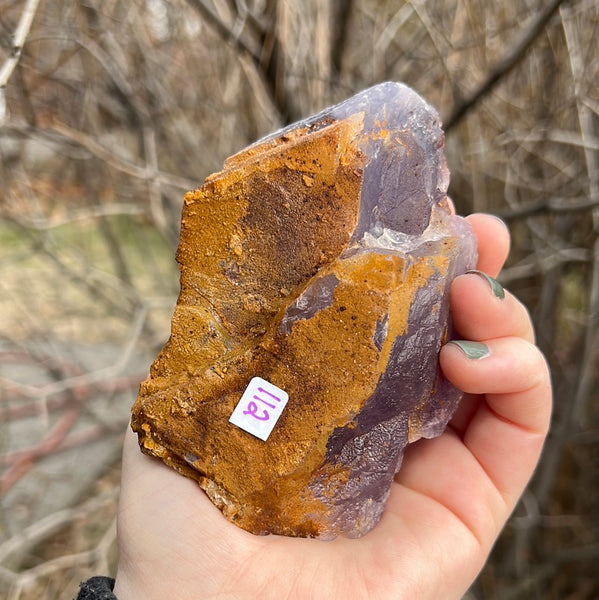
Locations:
column 114, row 108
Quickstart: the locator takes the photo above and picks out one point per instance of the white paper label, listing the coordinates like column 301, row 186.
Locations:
column 259, row 408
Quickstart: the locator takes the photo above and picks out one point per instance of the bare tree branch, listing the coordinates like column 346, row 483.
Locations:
column 268, row 64
column 19, row 37
column 224, row 30
column 513, row 56
column 549, row 205
column 60, row 132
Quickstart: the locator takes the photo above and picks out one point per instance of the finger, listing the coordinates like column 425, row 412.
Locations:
column 493, row 242
column 481, row 309
column 469, row 404
column 455, row 479
column 507, row 430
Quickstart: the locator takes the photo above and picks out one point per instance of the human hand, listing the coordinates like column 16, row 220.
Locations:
column 447, row 505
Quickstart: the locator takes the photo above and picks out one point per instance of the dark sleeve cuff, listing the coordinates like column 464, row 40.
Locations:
column 97, row 588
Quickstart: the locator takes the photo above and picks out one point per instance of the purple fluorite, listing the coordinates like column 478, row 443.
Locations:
column 320, row 260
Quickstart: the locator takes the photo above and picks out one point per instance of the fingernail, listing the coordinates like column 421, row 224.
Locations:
column 499, row 219
column 496, row 287
column 473, row 350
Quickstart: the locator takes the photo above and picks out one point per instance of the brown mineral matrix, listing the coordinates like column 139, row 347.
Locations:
column 319, row 259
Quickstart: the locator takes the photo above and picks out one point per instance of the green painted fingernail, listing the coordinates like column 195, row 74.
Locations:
column 496, row 287
column 473, row 350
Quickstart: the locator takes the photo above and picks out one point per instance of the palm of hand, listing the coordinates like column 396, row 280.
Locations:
column 446, row 507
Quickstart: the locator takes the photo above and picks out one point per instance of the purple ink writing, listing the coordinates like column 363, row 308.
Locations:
column 263, row 391
column 252, row 409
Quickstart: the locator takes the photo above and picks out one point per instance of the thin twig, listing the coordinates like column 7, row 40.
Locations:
column 66, row 136
column 81, row 214
column 61, row 400
column 223, row 30
column 516, row 52
column 548, row 205
column 24, row 460
column 538, row 265
column 268, row 69
column 587, row 375
column 41, row 530
column 91, row 377
column 16, row 50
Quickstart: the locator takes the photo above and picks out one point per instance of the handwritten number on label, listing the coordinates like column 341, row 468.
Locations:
column 263, row 391
column 252, row 409
column 259, row 408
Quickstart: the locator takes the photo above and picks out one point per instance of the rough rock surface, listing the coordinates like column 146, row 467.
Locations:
column 318, row 259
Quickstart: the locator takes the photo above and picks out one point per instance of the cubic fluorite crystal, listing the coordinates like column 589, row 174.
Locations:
column 319, row 259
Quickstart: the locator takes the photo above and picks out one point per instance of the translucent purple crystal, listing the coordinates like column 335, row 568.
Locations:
column 332, row 284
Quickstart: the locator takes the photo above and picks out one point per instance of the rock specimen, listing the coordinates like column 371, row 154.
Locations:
column 318, row 260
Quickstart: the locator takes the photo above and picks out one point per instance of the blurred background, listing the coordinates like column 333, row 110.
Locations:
column 110, row 110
